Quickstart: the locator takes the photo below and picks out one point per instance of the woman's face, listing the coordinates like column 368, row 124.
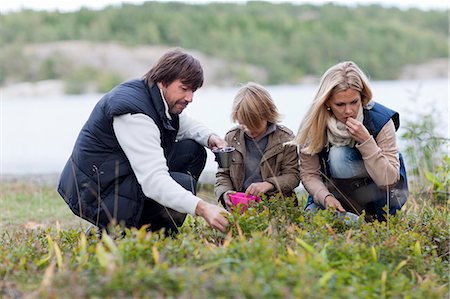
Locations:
column 257, row 132
column 345, row 104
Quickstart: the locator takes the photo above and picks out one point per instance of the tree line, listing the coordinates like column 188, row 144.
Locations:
column 288, row 40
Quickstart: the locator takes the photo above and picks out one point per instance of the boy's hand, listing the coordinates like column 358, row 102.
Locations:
column 259, row 189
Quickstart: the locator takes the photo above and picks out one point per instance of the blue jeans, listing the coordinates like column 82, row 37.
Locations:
column 345, row 163
column 350, row 183
column 187, row 157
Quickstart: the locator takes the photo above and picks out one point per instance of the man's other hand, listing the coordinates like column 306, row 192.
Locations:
column 213, row 214
column 215, row 142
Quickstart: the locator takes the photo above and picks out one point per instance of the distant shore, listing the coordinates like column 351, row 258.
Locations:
column 134, row 62
column 45, row 179
column 51, row 179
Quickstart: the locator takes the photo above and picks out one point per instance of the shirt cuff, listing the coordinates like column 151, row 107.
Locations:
column 191, row 204
column 319, row 198
column 368, row 147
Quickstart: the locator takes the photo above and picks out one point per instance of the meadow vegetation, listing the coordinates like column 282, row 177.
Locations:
column 273, row 250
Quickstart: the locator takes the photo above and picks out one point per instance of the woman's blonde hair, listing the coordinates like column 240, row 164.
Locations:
column 311, row 134
column 253, row 104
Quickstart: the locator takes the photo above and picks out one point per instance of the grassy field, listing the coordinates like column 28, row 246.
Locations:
column 32, row 205
column 273, row 250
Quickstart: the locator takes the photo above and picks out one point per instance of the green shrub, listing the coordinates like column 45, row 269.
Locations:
column 272, row 250
column 428, row 161
column 106, row 81
column 87, row 79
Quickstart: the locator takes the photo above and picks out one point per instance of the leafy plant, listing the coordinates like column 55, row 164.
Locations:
column 272, row 250
column 439, row 187
column 428, row 165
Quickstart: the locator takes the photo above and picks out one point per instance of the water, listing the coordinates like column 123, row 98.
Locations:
column 38, row 133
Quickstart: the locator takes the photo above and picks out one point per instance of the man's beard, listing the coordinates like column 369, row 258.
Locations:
column 179, row 104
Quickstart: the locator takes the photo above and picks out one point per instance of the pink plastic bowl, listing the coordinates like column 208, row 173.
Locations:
column 242, row 199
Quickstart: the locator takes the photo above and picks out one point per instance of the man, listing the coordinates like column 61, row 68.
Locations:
column 137, row 158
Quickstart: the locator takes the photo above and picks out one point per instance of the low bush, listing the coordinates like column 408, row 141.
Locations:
column 272, row 250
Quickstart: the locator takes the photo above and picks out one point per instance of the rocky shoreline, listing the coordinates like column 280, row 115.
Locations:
column 133, row 62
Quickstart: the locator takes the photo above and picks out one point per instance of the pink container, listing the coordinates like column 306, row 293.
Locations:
column 242, row 199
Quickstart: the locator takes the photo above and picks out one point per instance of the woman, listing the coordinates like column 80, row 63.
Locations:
column 262, row 163
column 349, row 159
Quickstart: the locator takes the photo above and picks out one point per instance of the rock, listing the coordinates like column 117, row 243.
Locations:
column 436, row 68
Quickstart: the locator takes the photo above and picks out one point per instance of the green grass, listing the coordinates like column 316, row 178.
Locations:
column 274, row 250
column 33, row 205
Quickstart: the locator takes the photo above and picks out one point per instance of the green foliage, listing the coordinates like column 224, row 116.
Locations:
column 77, row 81
column 106, row 81
column 272, row 250
column 53, row 67
column 88, row 79
column 287, row 40
column 428, row 161
column 14, row 63
column 440, row 181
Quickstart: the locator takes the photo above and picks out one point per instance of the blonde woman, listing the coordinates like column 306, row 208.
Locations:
column 262, row 163
column 349, row 159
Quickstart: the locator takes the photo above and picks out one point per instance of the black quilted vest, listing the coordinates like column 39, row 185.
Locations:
column 97, row 181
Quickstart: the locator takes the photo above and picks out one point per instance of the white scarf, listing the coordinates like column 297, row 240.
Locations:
column 337, row 133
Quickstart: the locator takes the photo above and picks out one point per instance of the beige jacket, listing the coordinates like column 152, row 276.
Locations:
column 279, row 164
column 380, row 156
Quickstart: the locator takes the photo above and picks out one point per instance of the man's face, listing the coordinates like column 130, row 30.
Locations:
column 177, row 96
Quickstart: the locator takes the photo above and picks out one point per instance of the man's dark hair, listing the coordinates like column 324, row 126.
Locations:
column 176, row 64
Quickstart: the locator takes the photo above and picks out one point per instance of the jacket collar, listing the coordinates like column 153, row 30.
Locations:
column 274, row 145
column 161, row 107
column 166, row 106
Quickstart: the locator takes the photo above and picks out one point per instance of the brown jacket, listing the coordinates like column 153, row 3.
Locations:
column 279, row 164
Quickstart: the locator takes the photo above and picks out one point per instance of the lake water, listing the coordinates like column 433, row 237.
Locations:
column 38, row 133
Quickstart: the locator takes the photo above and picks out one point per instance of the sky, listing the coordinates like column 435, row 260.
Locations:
column 73, row 5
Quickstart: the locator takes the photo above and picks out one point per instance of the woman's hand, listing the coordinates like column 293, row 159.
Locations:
column 332, row 203
column 357, row 130
column 258, row 189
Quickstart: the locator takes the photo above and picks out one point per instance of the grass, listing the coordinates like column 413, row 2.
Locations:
column 273, row 250
column 31, row 205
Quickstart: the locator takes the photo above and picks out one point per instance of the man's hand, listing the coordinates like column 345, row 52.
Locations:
column 332, row 203
column 213, row 214
column 215, row 142
column 258, row 189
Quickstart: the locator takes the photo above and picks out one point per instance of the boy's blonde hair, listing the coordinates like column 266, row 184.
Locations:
column 253, row 104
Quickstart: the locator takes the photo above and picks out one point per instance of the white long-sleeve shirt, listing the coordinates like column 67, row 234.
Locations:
column 140, row 139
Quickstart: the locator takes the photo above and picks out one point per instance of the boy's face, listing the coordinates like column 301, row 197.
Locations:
column 256, row 132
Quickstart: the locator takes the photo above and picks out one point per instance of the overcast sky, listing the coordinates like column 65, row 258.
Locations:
column 71, row 5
